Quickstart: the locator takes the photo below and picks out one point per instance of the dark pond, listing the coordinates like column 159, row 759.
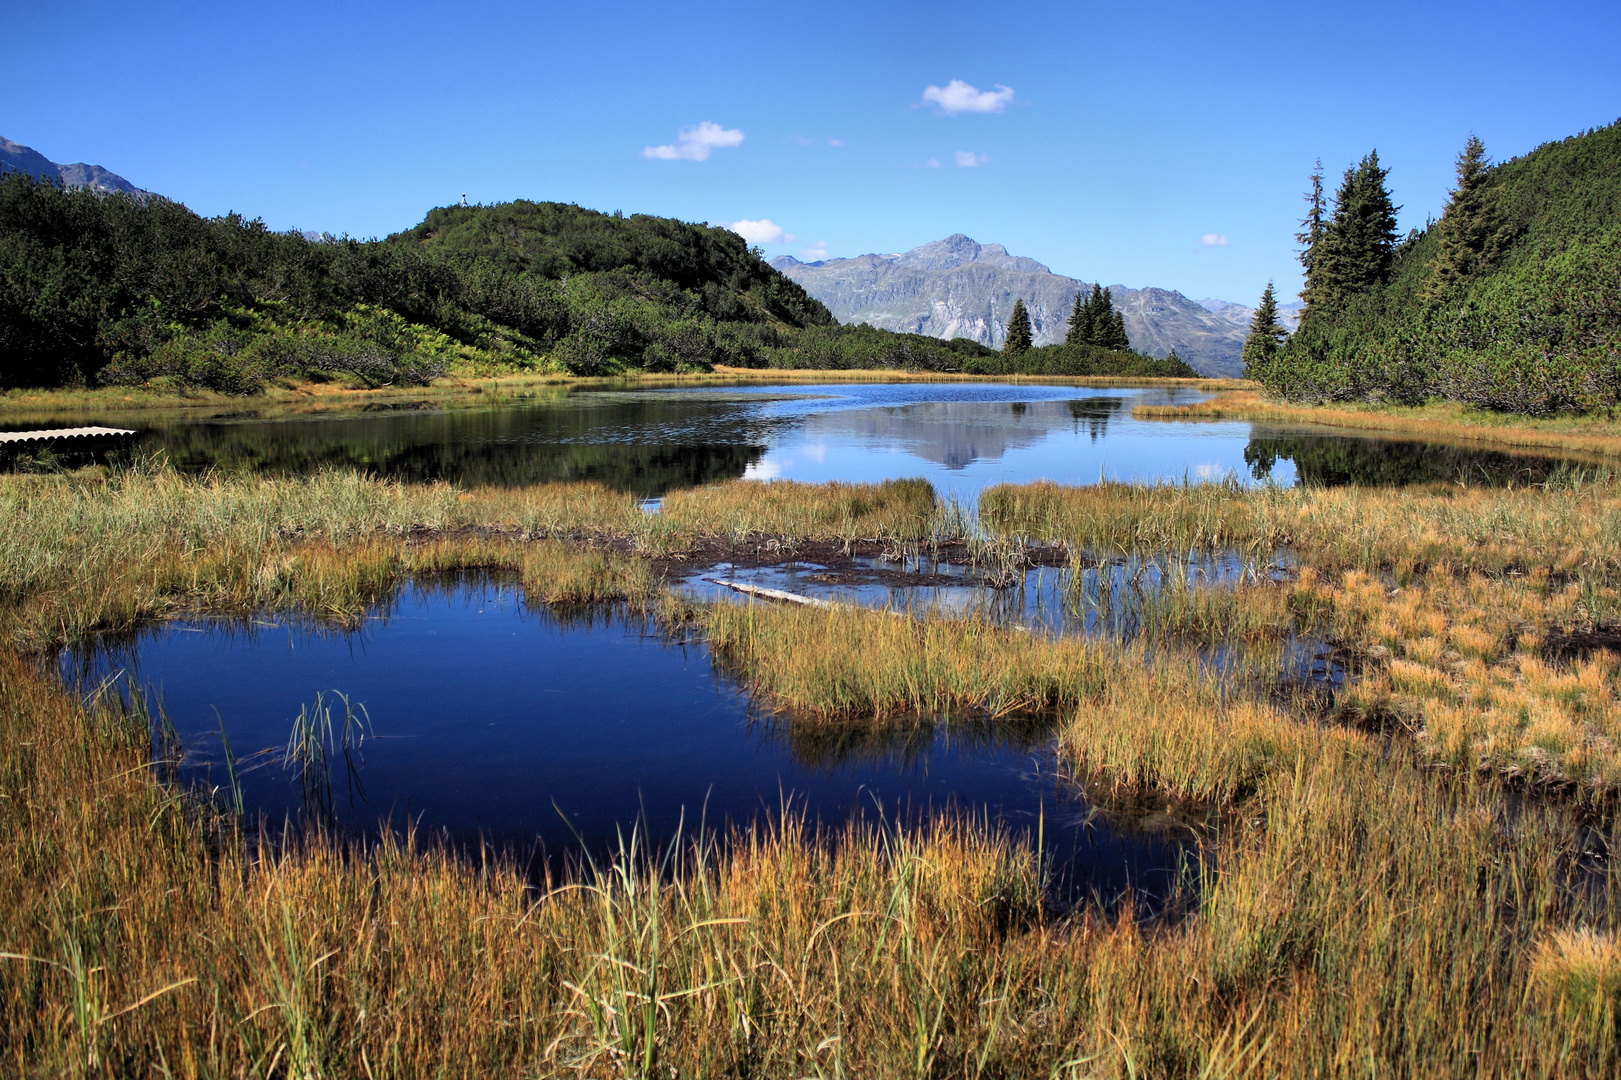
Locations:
column 538, row 732
column 959, row 436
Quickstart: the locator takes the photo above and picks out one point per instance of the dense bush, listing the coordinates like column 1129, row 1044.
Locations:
column 113, row 290
column 1080, row 360
column 866, row 347
column 1536, row 328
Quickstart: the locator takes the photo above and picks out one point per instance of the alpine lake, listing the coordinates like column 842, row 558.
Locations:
column 552, row 734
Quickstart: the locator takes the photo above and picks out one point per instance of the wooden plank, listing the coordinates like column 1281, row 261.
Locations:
column 773, row 594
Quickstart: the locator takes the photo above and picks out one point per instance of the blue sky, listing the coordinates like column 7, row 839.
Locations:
column 1163, row 144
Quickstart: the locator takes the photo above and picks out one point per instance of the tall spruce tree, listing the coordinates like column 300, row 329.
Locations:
column 1018, row 338
column 1112, row 326
column 1080, row 320
column 1314, row 226
column 1359, row 245
column 1266, row 333
column 1471, row 227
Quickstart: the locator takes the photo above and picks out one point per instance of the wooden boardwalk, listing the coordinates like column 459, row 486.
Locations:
column 49, row 434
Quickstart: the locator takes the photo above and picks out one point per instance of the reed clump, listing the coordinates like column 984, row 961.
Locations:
column 1131, row 714
column 315, row 578
column 1404, row 531
column 893, row 509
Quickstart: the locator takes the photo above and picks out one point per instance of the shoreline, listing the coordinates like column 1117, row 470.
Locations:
column 18, row 406
column 1589, row 434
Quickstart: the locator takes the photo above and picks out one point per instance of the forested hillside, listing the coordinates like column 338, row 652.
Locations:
column 112, row 290
column 104, row 289
column 1512, row 301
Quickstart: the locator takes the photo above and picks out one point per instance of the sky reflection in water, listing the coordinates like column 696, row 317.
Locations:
column 524, row 727
column 959, row 436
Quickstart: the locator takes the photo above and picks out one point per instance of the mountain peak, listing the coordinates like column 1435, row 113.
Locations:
column 958, row 287
column 15, row 157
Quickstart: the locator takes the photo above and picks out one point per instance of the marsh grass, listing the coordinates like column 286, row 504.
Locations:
column 135, row 946
column 1137, row 715
column 1356, row 912
column 1456, row 593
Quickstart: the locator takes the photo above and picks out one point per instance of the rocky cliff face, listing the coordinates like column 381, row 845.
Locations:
column 15, row 157
column 958, row 288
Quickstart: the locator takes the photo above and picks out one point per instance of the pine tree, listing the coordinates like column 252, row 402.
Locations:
column 1358, row 246
column 1098, row 300
column 1314, row 227
column 1018, row 338
column 1080, row 320
column 1266, row 333
column 1471, row 228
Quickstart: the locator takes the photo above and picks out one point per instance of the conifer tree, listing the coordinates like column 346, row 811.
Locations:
column 1266, row 333
column 1018, row 338
column 1119, row 341
column 1358, row 246
column 1314, row 226
column 1471, row 229
column 1100, row 301
column 1080, row 320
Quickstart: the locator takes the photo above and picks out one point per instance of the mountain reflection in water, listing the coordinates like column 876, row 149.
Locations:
column 959, row 436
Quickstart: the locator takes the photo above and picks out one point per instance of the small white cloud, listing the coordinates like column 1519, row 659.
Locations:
column 815, row 252
column 764, row 231
column 1211, row 239
column 803, row 140
column 967, row 159
column 831, row 141
column 695, row 143
column 957, row 96
column 927, row 163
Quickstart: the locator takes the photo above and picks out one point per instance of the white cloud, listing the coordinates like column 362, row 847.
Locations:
column 1211, row 239
column 695, row 143
column 967, row 159
column 930, row 163
column 957, row 96
column 815, row 252
column 803, row 140
column 831, row 141
column 764, row 231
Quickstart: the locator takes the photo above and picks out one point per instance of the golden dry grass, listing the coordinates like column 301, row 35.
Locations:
column 1359, row 913
column 142, row 940
column 1593, row 435
column 1456, row 592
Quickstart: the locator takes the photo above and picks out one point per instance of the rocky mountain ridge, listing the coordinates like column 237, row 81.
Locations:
column 957, row 287
column 15, row 157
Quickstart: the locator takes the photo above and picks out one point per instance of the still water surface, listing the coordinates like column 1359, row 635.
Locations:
column 960, row 437
column 540, row 732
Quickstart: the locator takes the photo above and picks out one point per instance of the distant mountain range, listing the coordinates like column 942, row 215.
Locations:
column 958, row 288
column 15, row 157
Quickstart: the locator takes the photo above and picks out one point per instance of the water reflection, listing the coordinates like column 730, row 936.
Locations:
column 495, row 722
column 1334, row 461
column 958, row 436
